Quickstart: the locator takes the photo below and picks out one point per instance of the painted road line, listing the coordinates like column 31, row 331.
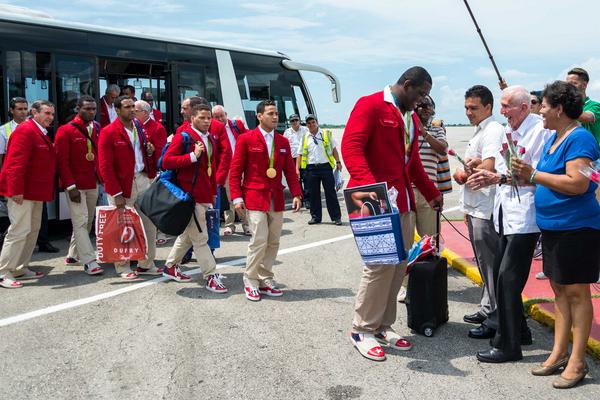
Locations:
column 107, row 295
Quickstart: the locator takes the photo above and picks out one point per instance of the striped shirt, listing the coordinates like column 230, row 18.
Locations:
column 429, row 157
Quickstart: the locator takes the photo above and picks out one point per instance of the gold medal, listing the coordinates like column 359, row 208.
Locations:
column 89, row 156
column 271, row 173
column 209, row 171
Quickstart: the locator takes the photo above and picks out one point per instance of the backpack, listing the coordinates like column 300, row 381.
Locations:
column 187, row 142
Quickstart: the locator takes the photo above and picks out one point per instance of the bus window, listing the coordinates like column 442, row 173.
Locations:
column 262, row 77
column 75, row 78
column 37, row 75
column 197, row 80
column 302, row 109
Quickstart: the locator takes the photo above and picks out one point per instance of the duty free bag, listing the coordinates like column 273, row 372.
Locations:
column 120, row 235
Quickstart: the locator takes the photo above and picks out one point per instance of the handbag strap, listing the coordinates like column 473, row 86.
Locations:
column 366, row 203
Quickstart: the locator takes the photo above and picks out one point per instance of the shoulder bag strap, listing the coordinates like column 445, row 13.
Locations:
column 84, row 133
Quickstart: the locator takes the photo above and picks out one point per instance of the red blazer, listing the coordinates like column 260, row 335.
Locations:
column 117, row 159
column 219, row 133
column 29, row 167
column 251, row 159
column 373, row 151
column 104, row 116
column 240, row 127
column 71, row 147
column 157, row 115
column 157, row 135
column 176, row 158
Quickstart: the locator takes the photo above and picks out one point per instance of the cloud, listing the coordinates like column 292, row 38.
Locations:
column 270, row 21
column 488, row 72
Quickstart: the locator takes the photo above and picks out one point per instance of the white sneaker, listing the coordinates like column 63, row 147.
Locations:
column 540, row 275
column 402, row 294
column 92, row 268
column 393, row 340
column 367, row 346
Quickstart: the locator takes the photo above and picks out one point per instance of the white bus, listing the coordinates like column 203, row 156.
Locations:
column 43, row 58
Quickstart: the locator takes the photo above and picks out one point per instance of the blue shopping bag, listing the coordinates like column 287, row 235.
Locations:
column 379, row 239
column 213, row 222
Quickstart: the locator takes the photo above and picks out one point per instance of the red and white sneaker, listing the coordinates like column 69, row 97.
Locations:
column 214, row 283
column 29, row 274
column 10, row 283
column 71, row 261
column 252, row 294
column 393, row 340
column 367, row 346
column 175, row 274
column 271, row 291
column 92, row 268
column 129, row 275
column 148, row 271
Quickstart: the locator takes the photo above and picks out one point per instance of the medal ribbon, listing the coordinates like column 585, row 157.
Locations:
column 208, row 152
column 89, row 141
column 272, row 156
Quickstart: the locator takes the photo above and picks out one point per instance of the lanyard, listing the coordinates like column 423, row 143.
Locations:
column 89, row 139
column 208, row 152
column 406, row 124
column 272, row 156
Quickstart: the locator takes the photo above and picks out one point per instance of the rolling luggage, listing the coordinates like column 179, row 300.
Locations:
column 427, row 294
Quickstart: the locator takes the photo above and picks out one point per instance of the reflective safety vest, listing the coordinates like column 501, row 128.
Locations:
column 326, row 148
column 8, row 128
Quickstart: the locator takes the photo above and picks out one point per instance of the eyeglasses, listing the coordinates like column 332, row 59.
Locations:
column 534, row 102
column 294, row 120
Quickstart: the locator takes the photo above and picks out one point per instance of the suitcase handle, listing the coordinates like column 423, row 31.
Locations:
column 439, row 232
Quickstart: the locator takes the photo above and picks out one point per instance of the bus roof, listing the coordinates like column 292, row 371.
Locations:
column 36, row 18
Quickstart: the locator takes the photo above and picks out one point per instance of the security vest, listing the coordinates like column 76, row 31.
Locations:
column 326, row 148
column 8, row 128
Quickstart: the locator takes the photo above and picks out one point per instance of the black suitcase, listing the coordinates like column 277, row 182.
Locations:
column 427, row 294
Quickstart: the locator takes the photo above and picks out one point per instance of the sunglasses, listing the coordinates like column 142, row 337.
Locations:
column 534, row 102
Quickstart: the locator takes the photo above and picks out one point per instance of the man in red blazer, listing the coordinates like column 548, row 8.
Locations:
column 199, row 159
column 27, row 180
column 262, row 157
column 234, row 129
column 156, row 114
column 76, row 145
column 155, row 132
column 107, row 108
column 127, row 167
column 380, row 144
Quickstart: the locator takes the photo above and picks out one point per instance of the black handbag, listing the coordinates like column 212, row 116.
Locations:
column 168, row 206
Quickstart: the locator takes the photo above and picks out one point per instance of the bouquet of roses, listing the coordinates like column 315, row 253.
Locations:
column 592, row 172
column 509, row 150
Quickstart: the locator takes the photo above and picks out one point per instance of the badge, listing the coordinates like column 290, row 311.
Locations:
column 89, row 156
column 271, row 173
column 209, row 171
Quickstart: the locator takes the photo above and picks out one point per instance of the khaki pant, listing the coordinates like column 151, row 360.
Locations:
column 199, row 240
column 376, row 300
column 25, row 221
column 82, row 218
column 229, row 215
column 425, row 219
column 263, row 247
column 141, row 183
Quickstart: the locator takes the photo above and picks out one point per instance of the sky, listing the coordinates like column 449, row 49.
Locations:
column 368, row 44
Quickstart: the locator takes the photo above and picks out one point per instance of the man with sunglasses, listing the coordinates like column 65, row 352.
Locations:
column 536, row 101
column 319, row 156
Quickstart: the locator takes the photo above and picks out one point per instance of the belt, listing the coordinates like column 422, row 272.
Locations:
column 323, row 165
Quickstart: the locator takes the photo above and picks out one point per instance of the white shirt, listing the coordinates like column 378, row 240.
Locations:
column 112, row 113
column 316, row 152
column 268, row 136
column 137, row 149
column 4, row 135
column 205, row 140
column 485, row 143
column 295, row 139
column 519, row 217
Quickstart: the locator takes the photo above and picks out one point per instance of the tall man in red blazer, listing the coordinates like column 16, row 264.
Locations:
column 234, row 129
column 261, row 158
column 127, row 167
column 201, row 158
column 76, row 145
column 380, row 144
column 27, row 179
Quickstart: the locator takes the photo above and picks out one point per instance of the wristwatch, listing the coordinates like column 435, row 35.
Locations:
column 503, row 179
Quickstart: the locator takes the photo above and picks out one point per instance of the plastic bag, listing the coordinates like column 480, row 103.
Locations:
column 120, row 235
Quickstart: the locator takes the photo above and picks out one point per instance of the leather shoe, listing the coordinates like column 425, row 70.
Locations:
column 48, row 248
column 313, row 221
column 476, row 318
column 338, row 222
column 482, row 332
column 496, row 356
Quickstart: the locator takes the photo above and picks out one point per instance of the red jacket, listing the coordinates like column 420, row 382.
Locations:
column 157, row 135
column 157, row 115
column 240, row 127
column 104, row 116
column 373, row 151
column 177, row 158
column 29, row 167
column 117, row 159
column 219, row 133
column 71, row 148
column 251, row 158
